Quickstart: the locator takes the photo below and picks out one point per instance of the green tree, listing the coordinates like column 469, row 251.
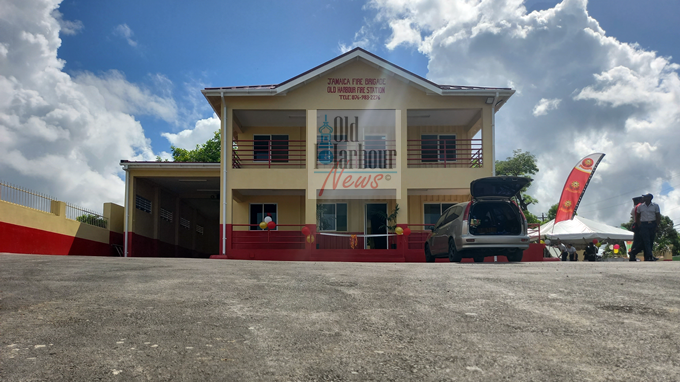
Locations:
column 210, row 151
column 520, row 164
column 666, row 236
column 92, row 220
column 552, row 212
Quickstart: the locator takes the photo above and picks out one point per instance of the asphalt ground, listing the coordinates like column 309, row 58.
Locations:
column 135, row 319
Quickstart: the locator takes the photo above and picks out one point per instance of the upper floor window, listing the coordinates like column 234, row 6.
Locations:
column 272, row 147
column 438, row 147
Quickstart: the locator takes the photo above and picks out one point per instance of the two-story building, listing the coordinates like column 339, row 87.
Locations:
column 327, row 157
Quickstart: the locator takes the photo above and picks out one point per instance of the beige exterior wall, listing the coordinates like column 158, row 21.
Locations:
column 55, row 222
column 314, row 96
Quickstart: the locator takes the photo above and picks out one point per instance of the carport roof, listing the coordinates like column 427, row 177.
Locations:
column 153, row 164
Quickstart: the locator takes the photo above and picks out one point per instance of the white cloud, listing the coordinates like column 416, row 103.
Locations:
column 124, row 31
column 67, row 27
column 188, row 139
column 545, row 105
column 592, row 92
column 65, row 135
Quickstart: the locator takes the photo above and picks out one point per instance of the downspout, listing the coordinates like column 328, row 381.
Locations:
column 127, row 210
column 224, row 175
column 493, row 134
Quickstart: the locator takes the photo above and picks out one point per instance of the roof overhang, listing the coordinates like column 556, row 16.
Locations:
column 357, row 54
column 127, row 165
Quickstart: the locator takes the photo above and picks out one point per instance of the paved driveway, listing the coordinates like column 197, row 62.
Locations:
column 115, row 319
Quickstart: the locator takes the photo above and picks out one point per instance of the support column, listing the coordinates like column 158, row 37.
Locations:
column 402, row 164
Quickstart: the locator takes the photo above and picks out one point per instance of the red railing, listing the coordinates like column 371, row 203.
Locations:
column 269, row 153
column 366, row 154
column 447, row 153
column 267, row 239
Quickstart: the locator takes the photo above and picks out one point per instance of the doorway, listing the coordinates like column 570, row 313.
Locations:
column 375, row 224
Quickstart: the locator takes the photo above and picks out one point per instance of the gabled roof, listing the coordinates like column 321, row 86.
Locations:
column 346, row 58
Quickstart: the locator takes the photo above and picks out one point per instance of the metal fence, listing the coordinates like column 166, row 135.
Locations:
column 27, row 198
column 42, row 202
column 85, row 216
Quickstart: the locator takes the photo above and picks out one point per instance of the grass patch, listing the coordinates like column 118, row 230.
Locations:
column 676, row 258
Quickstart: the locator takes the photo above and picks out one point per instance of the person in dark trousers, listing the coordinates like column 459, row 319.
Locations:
column 562, row 249
column 649, row 216
column 590, row 253
column 637, row 242
column 573, row 256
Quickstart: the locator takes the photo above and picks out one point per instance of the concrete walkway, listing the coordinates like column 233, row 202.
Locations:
column 116, row 319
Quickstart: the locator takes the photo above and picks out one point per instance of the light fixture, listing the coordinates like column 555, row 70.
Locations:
column 489, row 100
column 193, row 180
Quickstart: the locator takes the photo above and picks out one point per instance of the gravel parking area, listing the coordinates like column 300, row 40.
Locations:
column 117, row 319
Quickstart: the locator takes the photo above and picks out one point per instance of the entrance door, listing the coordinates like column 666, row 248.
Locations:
column 376, row 224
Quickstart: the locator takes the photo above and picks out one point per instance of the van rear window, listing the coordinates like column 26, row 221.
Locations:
column 495, row 218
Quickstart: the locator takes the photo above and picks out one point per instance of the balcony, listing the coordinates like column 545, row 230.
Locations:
column 269, row 153
column 444, row 152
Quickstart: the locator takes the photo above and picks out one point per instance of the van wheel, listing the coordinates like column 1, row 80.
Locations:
column 515, row 256
column 428, row 255
column 454, row 256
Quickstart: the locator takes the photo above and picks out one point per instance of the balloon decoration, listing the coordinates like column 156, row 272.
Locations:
column 267, row 219
column 271, row 224
column 542, row 242
column 306, row 231
column 407, row 231
column 263, row 225
column 595, row 241
column 310, row 239
column 616, row 248
column 399, row 231
column 611, row 246
column 547, row 241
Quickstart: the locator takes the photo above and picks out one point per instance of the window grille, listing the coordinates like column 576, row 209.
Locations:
column 143, row 204
column 166, row 215
column 199, row 229
column 184, row 223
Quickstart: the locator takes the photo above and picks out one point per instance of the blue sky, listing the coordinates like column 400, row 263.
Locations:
column 93, row 82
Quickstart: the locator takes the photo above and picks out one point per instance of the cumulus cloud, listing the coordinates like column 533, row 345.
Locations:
column 591, row 92
column 124, row 31
column 545, row 105
column 188, row 139
column 65, row 135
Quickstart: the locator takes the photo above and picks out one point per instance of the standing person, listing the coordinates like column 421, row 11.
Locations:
column 590, row 253
column 573, row 256
column 563, row 250
column 637, row 242
column 649, row 216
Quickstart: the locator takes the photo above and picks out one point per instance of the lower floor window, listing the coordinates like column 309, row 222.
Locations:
column 433, row 211
column 260, row 211
column 332, row 216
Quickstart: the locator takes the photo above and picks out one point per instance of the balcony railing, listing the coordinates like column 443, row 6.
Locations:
column 269, row 153
column 375, row 153
column 444, row 153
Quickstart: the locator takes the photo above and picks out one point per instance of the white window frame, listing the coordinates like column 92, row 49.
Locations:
column 336, row 217
column 263, row 216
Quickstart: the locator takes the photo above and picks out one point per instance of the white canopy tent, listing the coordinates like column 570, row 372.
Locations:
column 580, row 230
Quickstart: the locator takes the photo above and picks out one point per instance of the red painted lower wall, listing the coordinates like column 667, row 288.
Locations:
column 142, row 246
column 20, row 239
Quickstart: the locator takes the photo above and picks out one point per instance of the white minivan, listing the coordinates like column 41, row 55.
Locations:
column 491, row 224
